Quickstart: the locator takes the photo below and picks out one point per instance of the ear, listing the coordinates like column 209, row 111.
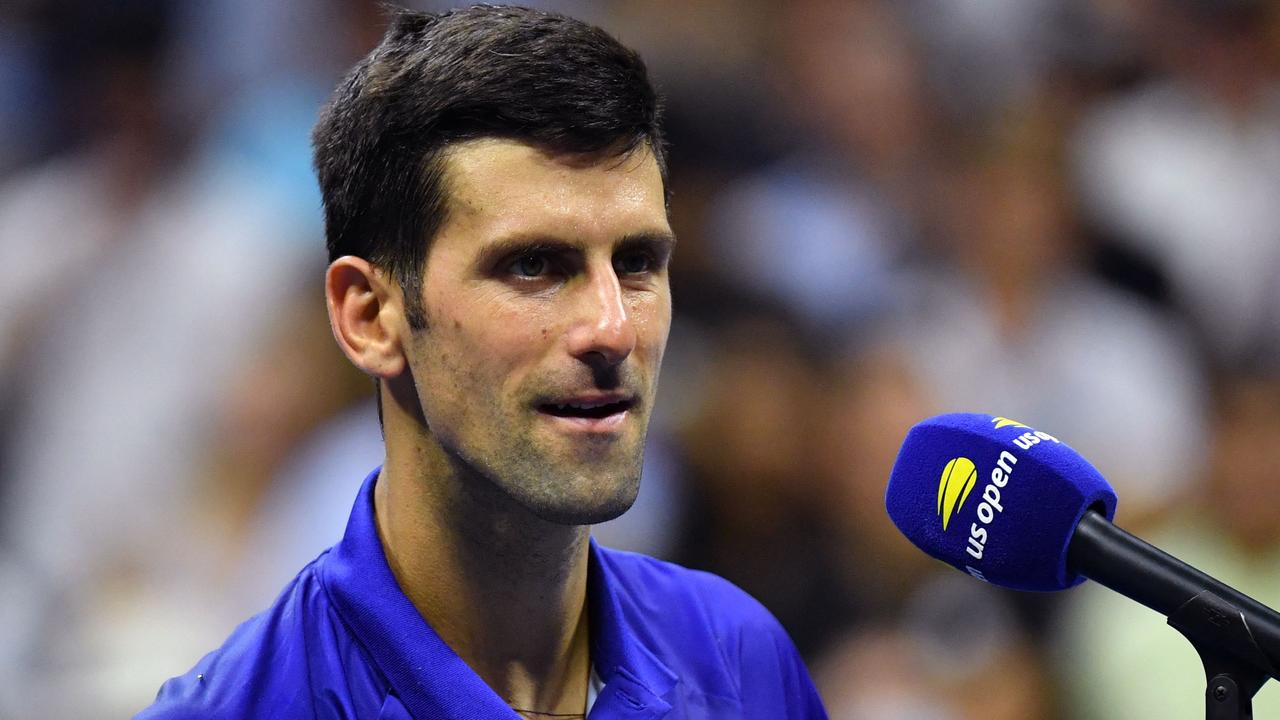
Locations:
column 366, row 314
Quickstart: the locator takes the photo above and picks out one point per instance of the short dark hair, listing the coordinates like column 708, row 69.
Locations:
column 438, row 79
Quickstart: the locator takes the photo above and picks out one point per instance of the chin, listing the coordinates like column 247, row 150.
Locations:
column 586, row 505
column 557, row 489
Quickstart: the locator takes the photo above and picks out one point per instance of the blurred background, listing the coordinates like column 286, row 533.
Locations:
column 1061, row 211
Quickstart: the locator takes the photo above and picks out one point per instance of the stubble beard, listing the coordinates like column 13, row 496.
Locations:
column 574, row 492
column 534, row 469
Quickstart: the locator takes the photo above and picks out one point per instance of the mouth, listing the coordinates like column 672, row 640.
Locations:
column 599, row 412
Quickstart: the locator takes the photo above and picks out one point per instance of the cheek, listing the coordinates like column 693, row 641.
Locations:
column 502, row 347
column 651, row 316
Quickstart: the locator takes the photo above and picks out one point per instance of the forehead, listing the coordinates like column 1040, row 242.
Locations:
column 499, row 187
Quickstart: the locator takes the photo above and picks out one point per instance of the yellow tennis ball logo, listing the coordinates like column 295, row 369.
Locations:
column 958, row 478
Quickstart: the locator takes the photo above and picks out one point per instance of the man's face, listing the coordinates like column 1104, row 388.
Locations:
column 547, row 307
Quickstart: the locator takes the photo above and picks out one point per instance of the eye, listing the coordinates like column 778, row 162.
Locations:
column 530, row 265
column 633, row 263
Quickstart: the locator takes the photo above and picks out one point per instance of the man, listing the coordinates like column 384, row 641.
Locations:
column 495, row 197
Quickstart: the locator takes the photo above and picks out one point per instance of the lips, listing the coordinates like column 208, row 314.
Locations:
column 595, row 414
column 588, row 408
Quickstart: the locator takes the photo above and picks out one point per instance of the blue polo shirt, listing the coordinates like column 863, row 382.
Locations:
column 343, row 641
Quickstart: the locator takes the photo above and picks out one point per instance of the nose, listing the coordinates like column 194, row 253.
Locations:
column 602, row 334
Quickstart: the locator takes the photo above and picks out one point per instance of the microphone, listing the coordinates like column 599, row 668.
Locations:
column 1017, row 507
column 995, row 498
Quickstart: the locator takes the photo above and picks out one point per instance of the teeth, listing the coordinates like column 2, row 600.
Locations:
column 583, row 406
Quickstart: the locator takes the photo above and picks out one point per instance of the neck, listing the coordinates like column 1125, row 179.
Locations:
column 503, row 588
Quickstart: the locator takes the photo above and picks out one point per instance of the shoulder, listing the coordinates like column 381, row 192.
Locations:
column 275, row 664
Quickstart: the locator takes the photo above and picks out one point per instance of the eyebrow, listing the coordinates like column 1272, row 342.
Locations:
column 661, row 238
column 508, row 246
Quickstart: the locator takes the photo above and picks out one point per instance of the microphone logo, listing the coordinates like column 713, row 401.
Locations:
column 958, row 478
column 1002, row 422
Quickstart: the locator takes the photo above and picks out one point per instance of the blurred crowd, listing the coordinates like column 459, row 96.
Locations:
column 1062, row 211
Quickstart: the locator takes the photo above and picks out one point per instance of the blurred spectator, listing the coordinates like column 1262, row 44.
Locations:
column 872, row 399
column 253, row 541
column 142, row 273
column 1186, row 168
column 822, row 229
column 1011, row 324
column 988, row 55
column 956, row 654
column 750, row 474
column 1121, row 659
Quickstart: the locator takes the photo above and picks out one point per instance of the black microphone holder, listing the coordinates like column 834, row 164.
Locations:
column 1214, row 620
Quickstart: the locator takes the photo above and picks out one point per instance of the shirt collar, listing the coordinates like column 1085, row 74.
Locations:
column 634, row 677
column 429, row 677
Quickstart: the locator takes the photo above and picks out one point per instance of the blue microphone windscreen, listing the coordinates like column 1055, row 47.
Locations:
column 995, row 498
